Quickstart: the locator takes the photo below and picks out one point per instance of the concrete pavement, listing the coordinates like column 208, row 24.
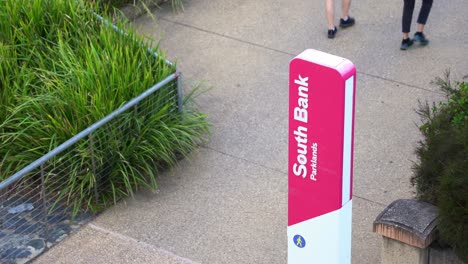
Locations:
column 228, row 202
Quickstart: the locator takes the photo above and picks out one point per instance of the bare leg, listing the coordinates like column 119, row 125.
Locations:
column 345, row 4
column 405, row 35
column 420, row 27
column 330, row 10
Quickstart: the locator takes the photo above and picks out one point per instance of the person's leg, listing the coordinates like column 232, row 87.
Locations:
column 420, row 27
column 346, row 20
column 424, row 14
column 330, row 12
column 422, row 19
column 408, row 8
column 345, row 4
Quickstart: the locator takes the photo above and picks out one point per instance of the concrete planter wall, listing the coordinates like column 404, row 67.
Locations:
column 408, row 228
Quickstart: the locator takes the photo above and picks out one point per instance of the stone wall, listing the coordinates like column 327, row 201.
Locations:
column 409, row 231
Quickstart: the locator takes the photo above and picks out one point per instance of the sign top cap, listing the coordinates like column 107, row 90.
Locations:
column 321, row 58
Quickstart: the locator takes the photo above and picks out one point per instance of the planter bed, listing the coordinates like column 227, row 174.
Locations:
column 89, row 115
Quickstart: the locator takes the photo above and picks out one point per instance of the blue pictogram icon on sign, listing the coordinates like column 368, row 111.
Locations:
column 299, row 241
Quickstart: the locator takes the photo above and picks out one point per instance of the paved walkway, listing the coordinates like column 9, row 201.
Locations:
column 228, row 203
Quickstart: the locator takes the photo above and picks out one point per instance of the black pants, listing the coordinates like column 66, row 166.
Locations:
column 408, row 9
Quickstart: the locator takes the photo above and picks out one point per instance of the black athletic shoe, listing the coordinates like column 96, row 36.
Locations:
column 419, row 37
column 332, row 33
column 406, row 43
column 347, row 23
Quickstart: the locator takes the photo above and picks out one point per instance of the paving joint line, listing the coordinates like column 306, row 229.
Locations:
column 226, row 36
column 398, row 82
column 370, row 201
column 287, row 53
column 244, row 159
column 139, row 242
column 277, row 170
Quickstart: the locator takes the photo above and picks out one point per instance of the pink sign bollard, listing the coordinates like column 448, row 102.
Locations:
column 320, row 167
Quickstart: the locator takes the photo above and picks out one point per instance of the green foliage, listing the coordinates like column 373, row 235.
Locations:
column 61, row 70
column 452, row 204
column 441, row 174
column 116, row 3
column 176, row 4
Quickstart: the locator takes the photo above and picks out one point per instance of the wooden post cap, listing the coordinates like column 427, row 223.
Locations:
column 409, row 221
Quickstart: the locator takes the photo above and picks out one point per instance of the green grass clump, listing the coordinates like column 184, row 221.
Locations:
column 61, row 70
column 441, row 174
column 176, row 4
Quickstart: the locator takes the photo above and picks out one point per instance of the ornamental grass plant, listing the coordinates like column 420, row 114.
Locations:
column 61, row 70
column 176, row 4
